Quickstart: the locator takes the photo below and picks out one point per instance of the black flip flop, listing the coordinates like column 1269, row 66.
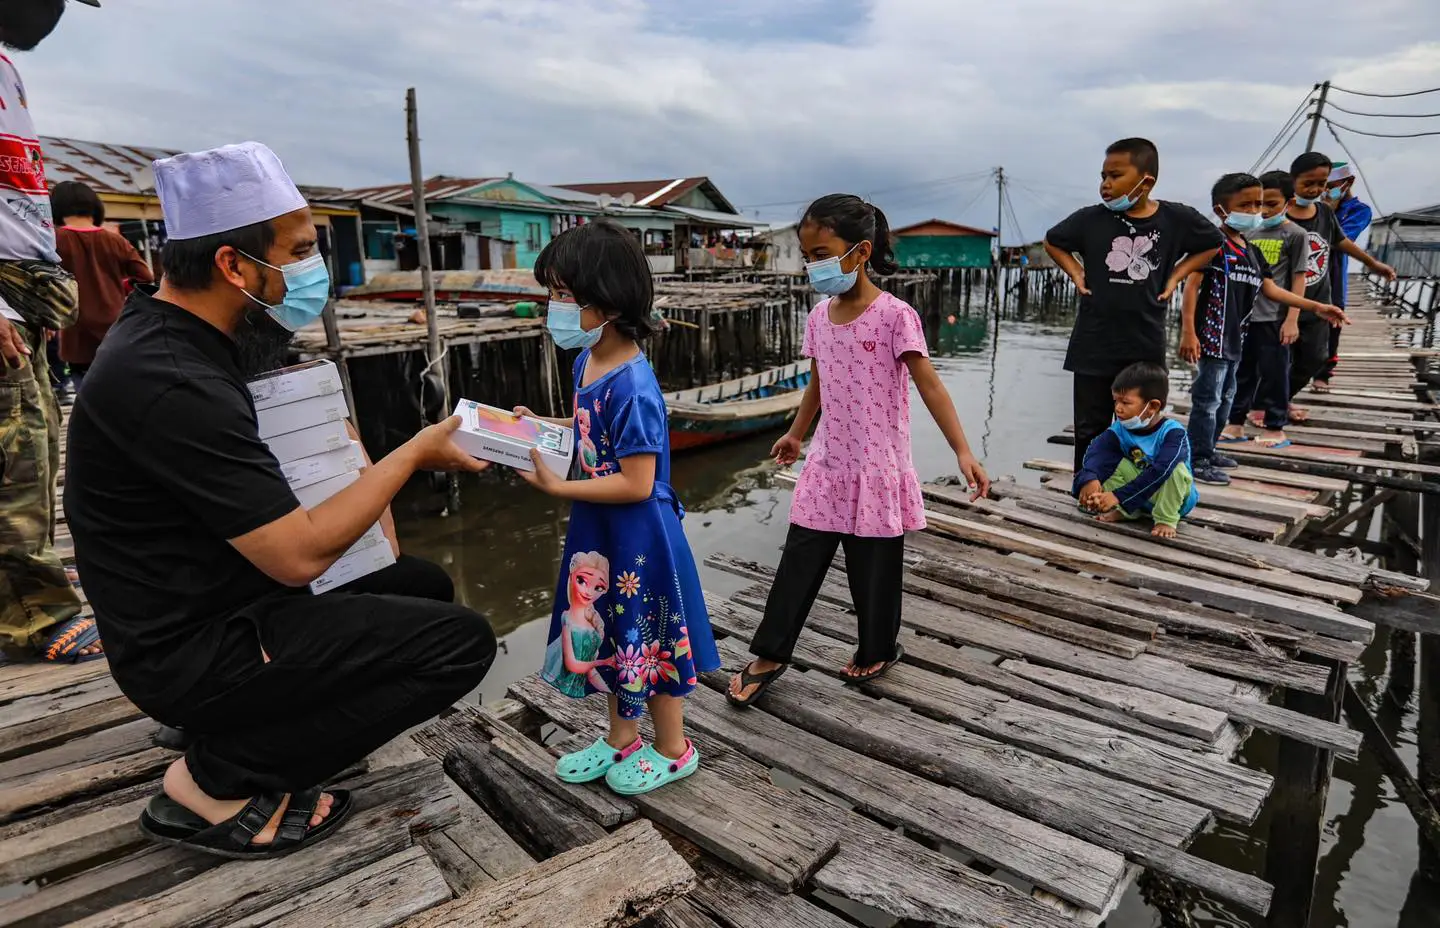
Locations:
column 885, row 667
column 166, row 821
column 747, row 679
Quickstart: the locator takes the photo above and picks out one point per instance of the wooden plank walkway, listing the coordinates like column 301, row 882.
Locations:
column 1069, row 711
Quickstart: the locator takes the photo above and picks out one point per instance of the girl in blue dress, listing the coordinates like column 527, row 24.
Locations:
column 630, row 619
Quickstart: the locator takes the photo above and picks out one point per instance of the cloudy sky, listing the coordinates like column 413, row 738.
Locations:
column 912, row 102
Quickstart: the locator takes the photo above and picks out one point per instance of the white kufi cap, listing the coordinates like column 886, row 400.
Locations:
column 225, row 188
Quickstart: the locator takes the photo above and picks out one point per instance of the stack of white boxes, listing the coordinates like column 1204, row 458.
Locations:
column 302, row 412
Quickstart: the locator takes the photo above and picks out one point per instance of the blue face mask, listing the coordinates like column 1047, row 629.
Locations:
column 1305, row 201
column 1128, row 201
column 1273, row 222
column 1243, row 222
column 827, row 278
column 307, row 289
column 1335, row 193
column 562, row 320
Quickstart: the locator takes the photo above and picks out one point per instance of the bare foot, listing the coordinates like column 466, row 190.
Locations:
column 1161, row 530
column 1236, row 432
column 853, row 672
column 1113, row 515
column 182, row 788
column 1299, row 416
column 1272, row 437
column 757, row 666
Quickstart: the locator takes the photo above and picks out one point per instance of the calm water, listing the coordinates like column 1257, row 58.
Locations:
column 504, row 548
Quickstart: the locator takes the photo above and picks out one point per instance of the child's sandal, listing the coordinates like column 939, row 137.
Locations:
column 594, row 762
column 649, row 769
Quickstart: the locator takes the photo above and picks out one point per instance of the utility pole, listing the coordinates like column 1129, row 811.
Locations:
column 999, row 226
column 1316, row 116
column 435, row 368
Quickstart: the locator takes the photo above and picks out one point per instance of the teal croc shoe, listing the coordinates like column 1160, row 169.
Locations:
column 648, row 769
column 594, row 762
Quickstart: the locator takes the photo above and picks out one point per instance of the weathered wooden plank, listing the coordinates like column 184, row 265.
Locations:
column 109, row 744
column 1153, row 707
column 392, row 804
column 617, row 881
column 1306, row 614
column 1232, row 791
column 69, row 839
column 541, row 823
column 1231, row 662
column 900, row 798
column 475, row 850
column 601, row 806
column 740, row 902
column 379, row 895
column 149, row 870
column 1155, row 552
column 1144, row 825
column 17, row 681
column 53, row 786
column 34, row 722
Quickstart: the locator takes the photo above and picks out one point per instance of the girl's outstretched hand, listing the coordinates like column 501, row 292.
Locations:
column 542, row 477
column 974, row 474
column 786, row 451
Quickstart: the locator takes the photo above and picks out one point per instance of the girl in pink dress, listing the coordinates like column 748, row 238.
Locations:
column 858, row 488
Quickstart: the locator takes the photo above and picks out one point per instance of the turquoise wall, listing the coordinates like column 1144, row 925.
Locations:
column 499, row 222
column 936, row 251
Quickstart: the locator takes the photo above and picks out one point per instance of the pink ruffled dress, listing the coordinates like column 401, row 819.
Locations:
column 858, row 478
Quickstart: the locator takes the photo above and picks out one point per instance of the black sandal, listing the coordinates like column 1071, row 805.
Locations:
column 752, row 679
column 875, row 674
column 168, row 822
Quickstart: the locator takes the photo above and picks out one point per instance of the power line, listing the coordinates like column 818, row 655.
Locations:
column 1359, row 170
column 1388, row 96
column 1014, row 219
column 1281, row 150
column 1383, row 135
column 1283, row 127
column 921, row 183
column 1336, row 106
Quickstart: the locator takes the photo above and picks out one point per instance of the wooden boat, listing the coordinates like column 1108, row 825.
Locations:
column 736, row 408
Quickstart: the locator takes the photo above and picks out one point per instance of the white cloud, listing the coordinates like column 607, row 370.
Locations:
column 775, row 103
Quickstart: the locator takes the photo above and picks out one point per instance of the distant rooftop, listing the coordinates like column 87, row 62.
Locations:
column 103, row 167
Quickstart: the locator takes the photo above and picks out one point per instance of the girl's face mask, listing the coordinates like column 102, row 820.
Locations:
column 562, row 321
column 827, row 277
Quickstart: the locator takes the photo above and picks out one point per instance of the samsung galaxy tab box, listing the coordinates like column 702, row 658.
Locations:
column 303, row 414
column 293, row 384
column 317, row 493
column 501, row 437
column 371, row 553
column 311, row 470
column 317, row 439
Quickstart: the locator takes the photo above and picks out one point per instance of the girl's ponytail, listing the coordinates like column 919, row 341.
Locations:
column 882, row 254
column 856, row 221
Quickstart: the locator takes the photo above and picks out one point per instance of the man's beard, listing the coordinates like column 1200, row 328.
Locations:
column 263, row 344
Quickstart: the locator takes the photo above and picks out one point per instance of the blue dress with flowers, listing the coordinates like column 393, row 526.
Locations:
column 630, row 617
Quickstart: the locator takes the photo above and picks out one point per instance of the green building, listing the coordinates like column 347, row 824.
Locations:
column 938, row 243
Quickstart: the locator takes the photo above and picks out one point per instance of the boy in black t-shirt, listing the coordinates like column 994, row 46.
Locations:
column 1216, row 310
column 1133, row 251
column 1324, row 237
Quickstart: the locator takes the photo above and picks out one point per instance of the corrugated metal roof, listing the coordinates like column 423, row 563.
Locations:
column 438, row 187
column 711, row 217
column 646, row 192
column 103, row 167
column 959, row 228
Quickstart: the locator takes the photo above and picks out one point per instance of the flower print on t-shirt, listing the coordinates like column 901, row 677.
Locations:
column 1129, row 255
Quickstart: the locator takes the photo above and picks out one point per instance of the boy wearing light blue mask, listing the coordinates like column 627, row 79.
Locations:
column 1214, row 316
column 1126, row 255
column 1141, row 464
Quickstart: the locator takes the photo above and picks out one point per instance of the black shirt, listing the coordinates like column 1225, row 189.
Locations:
column 165, row 463
column 1127, row 262
column 1323, row 236
column 1232, row 281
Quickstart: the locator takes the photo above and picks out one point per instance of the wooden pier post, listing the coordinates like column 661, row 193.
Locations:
column 1302, row 783
column 1427, row 730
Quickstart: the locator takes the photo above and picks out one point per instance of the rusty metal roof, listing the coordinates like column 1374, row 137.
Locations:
column 653, row 193
column 438, row 187
column 103, row 167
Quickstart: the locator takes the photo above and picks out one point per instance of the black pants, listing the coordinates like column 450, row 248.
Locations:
column 1094, row 408
column 1309, row 353
column 348, row 671
column 1264, row 379
column 875, row 567
column 1328, row 368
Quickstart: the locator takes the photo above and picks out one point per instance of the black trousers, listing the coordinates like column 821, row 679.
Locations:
column 1309, row 353
column 347, row 671
column 1328, row 368
column 1094, row 408
column 876, row 569
column 1264, row 379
